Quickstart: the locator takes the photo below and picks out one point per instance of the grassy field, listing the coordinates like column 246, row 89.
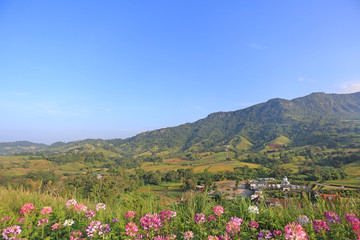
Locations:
column 346, row 182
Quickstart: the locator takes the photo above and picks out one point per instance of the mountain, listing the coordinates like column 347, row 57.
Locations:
column 20, row 146
column 319, row 119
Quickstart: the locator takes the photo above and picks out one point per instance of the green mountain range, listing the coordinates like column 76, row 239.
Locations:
column 319, row 119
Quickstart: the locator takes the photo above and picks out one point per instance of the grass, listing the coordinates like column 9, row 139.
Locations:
column 345, row 182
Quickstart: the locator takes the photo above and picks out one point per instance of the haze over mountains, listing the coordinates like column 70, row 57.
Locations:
column 331, row 120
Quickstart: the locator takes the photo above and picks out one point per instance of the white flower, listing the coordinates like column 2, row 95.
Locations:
column 100, row 206
column 253, row 209
column 68, row 222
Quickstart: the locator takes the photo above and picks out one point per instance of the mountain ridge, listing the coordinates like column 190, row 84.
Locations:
column 317, row 118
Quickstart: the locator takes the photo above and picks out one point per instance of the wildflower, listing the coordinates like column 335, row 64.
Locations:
column 165, row 215
column 332, row 217
column 211, row 218
column 55, row 226
column 130, row 214
column 70, row 203
column 115, row 220
column 6, row 218
column 295, row 231
column 11, row 232
column 27, row 208
column 68, row 222
column 265, row 234
column 21, row 220
column 96, row 227
column 90, row 214
column 303, row 220
column 131, row 229
column 42, row 221
column 253, row 225
column 160, row 237
column 320, row 225
column 199, row 218
column 188, row 235
column 351, row 218
column 100, row 206
column 218, row 210
column 233, row 226
column 225, row 237
column 80, row 207
column 173, row 214
column 46, row 210
column 151, row 221
column 253, row 209
column 277, row 233
column 76, row 235
column 213, row 237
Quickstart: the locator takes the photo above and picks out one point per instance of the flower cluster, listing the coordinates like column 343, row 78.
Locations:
column 303, row 220
column 76, row 235
column 90, row 214
column 80, row 207
column 27, row 208
column 253, row 225
column 332, row 217
column 199, row 218
column 354, row 221
column 166, row 215
column 100, row 206
column 11, row 232
column 46, row 211
column 218, row 210
column 42, row 221
column 295, row 231
column 151, row 221
column 320, row 225
column 188, row 235
column 130, row 214
column 131, row 229
column 253, row 210
column 70, row 203
column 233, row 226
column 97, row 228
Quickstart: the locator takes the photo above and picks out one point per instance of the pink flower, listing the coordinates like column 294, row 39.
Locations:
column 211, row 218
column 21, row 220
column 90, row 214
column 80, row 207
column 166, row 215
column 218, row 210
column 131, row 229
column 188, row 235
column 233, row 226
column 351, row 218
column 151, row 221
column 42, row 221
column 76, row 235
column 320, row 225
column 295, row 231
column 27, row 208
column 46, row 210
column 55, row 226
column 213, row 237
column 199, row 218
column 277, row 233
column 70, row 203
column 11, row 232
column 253, row 225
column 332, row 217
column 96, row 227
column 6, row 218
column 130, row 214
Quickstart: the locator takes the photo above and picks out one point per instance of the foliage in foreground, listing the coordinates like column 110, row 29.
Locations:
column 29, row 215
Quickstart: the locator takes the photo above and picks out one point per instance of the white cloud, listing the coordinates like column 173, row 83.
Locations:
column 350, row 87
column 256, row 46
column 301, row 79
column 305, row 79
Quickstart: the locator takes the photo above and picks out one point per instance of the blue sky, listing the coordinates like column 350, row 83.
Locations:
column 71, row 70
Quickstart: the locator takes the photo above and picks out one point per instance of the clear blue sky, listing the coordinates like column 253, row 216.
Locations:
column 71, row 70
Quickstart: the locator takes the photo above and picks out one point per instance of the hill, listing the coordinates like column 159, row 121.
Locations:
column 319, row 119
